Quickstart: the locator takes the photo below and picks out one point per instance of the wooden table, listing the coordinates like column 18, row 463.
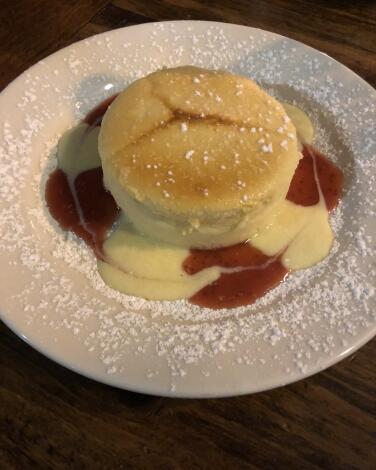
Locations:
column 53, row 418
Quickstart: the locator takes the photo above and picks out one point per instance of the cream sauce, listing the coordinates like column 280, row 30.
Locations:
column 303, row 125
column 302, row 233
column 140, row 266
column 137, row 265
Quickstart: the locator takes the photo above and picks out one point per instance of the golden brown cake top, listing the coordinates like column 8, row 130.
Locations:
column 188, row 140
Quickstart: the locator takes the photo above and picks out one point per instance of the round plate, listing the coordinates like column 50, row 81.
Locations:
column 51, row 294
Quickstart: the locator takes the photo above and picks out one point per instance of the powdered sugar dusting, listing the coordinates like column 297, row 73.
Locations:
column 316, row 314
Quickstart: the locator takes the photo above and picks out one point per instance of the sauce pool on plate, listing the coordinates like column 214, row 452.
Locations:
column 97, row 210
column 263, row 272
column 87, row 209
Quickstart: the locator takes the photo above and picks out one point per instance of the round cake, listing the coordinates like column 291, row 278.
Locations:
column 193, row 156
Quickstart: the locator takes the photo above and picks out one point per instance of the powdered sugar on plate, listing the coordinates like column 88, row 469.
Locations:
column 51, row 291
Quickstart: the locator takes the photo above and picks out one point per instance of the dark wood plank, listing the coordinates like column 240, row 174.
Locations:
column 59, row 419
column 345, row 30
column 109, row 18
column 32, row 29
column 53, row 418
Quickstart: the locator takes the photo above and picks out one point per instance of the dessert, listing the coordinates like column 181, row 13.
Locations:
column 210, row 192
column 193, row 156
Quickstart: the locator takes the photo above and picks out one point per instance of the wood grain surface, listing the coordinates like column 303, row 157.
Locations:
column 51, row 418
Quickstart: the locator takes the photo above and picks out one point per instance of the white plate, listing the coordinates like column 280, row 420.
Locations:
column 51, row 294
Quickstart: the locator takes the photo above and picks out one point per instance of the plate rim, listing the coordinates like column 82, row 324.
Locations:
column 153, row 390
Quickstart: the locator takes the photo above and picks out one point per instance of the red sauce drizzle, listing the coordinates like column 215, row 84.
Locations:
column 245, row 287
column 232, row 289
column 98, row 207
column 95, row 116
column 303, row 188
column 236, row 288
